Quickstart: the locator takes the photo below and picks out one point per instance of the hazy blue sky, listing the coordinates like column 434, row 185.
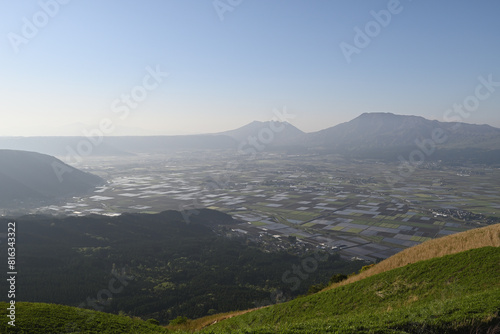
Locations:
column 82, row 58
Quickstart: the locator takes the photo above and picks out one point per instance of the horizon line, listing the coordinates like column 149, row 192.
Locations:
column 222, row 132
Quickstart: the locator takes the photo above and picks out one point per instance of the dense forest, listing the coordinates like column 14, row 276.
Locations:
column 157, row 266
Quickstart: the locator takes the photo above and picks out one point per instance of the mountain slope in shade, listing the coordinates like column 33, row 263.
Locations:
column 269, row 134
column 28, row 176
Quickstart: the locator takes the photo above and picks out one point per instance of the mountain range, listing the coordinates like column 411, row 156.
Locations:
column 385, row 130
column 383, row 136
column 378, row 130
column 370, row 135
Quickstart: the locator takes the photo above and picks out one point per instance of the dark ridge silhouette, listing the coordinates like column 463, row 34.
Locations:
column 28, row 176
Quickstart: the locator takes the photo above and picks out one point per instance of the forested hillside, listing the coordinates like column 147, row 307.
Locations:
column 154, row 266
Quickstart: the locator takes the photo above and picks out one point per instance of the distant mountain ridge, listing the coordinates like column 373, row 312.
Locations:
column 370, row 135
column 377, row 130
column 391, row 137
column 273, row 133
column 29, row 176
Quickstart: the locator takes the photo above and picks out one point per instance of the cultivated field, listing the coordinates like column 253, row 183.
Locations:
column 324, row 201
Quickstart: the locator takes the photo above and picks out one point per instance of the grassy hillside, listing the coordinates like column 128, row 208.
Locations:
column 452, row 244
column 454, row 292
column 34, row 318
column 457, row 293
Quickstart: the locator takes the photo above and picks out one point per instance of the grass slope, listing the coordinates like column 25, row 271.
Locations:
column 37, row 318
column 452, row 244
column 456, row 293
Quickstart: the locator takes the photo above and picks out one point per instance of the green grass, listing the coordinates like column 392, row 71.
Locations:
column 37, row 318
column 388, row 225
column 453, row 294
column 296, row 215
column 259, row 224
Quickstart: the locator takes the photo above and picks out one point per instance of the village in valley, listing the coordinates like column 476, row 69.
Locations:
column 298, row 202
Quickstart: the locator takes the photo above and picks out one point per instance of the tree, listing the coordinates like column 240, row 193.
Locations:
column 315, row 288
column 179, row 320
column 337, row 278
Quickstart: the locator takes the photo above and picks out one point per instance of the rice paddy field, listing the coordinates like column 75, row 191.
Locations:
column 327, row 202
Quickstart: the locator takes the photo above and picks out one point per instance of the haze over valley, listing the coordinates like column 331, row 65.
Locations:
column 367, row 188
column 233, row 166
column 266, row 192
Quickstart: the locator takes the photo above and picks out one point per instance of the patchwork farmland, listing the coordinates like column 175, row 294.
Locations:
column 316, row 201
